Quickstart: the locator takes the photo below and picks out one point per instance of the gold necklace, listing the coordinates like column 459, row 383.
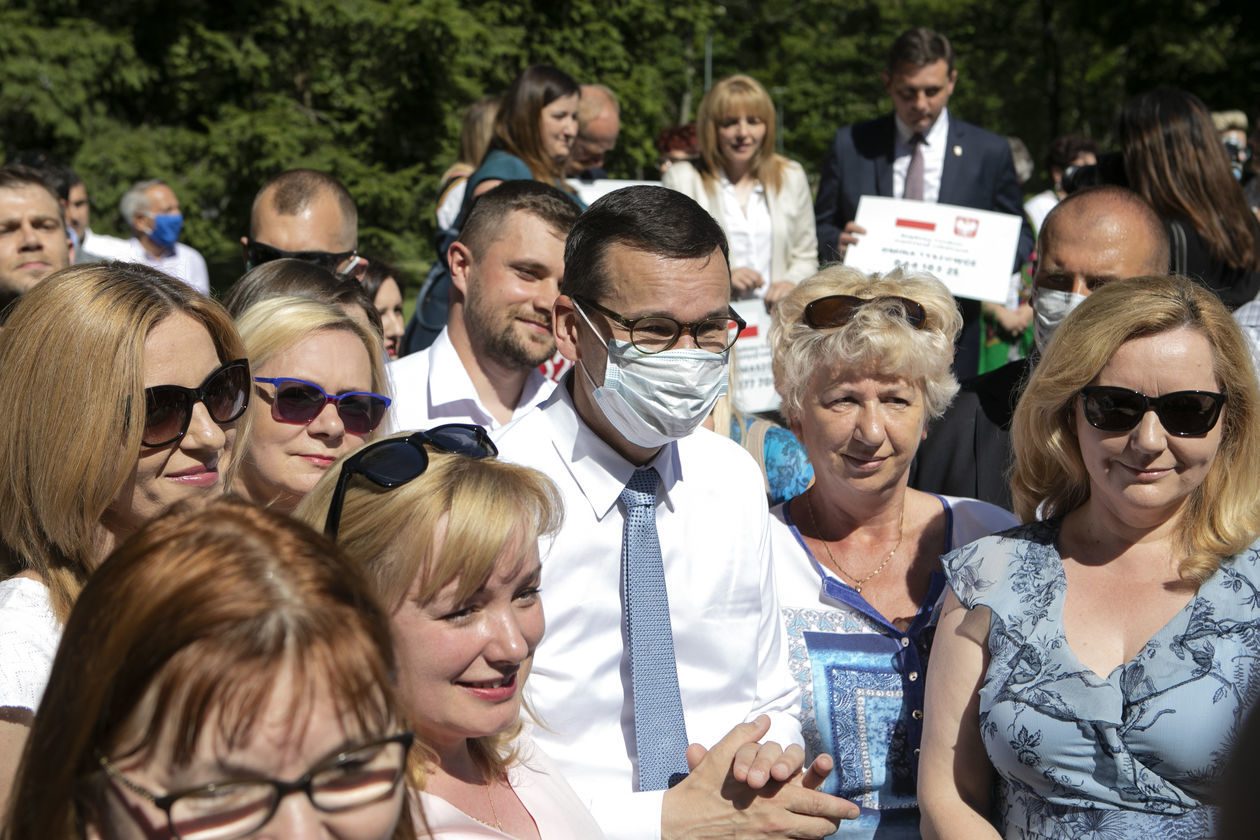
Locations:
column 857, row 585
column 498, row 826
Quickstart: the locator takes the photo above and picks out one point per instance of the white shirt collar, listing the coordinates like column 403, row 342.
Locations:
column 936, row 134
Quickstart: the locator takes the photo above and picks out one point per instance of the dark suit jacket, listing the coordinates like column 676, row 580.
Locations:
column 967, row 451
column 978, row 172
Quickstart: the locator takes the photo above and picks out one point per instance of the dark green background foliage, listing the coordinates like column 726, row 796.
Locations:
column 217, row 96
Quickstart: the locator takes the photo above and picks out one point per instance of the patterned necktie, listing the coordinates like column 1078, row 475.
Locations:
column 660, row 733
column 914, row 175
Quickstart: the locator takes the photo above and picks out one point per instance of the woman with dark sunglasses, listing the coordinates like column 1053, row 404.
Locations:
column 320, row 393
column 448, row 535
column 862, row 363
column 225, row 674
column 122, row 390
column 1101, row 658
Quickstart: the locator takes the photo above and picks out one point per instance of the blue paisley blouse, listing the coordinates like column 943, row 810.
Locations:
column 1132, row 755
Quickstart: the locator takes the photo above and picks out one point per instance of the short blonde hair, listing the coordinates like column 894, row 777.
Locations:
column 273, row 325
column 72, row 383
column 729, row 96
column 1222, row 516
column 874, row 339
column 482, row 506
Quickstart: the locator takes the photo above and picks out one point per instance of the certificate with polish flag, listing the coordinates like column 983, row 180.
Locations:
column 971, row 251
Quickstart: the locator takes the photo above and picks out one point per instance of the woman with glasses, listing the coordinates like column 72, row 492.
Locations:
column 1100, row 658
column 863, row 363
column 448, row 536
column 761, row 199
column 225, row 674
column 122, row 391
column 320, row 392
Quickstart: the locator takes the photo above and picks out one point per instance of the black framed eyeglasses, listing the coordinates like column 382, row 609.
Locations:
column 168, row 408
column 299, row 402
column 1181, row 413
column 353, row 778
column 837, row 310
column 657, row 333
column 395, row 461
column 257, row 253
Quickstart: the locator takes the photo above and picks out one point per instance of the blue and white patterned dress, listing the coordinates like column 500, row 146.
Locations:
column 1134, row 755
column 861, row 677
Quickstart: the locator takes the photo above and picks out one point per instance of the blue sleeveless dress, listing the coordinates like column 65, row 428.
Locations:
column 1134, row 755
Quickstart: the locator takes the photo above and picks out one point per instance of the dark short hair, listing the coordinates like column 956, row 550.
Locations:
column 14, row 176
column 655, row 220
column 920, row 46
column 378, row 271
column 291, row 192
column 1068, row 147
column 491, row 209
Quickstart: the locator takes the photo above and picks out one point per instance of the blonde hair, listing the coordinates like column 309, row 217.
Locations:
column 730, row 96
column 1222, row 515
column 875, row 339
column 273, row 325
column 481, row 506
column 72, row 382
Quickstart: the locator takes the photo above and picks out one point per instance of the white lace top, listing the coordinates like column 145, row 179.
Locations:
column 29, row 633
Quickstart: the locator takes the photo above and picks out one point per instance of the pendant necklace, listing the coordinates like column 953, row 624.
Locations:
column 857, row 585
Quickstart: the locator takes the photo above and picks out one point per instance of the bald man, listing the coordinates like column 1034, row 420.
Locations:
column 308, row 215
column 599, row 123
column 1090, row 238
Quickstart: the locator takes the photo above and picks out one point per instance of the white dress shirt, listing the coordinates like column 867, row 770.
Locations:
column 933, row 156
column 431, row 387
column 729, row 643
column 181, row 262
column 748, row 230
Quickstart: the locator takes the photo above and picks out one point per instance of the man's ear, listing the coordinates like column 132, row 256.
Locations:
column 564, row 326
column 460, row 259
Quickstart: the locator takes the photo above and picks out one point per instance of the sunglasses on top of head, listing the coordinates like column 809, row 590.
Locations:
column 168, row 409
column 299, row 402
column 838, row 310
column 1181, row 413
column 395, row 461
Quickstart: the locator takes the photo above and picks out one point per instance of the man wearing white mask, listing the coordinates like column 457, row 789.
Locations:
column 1091, row 237
column 151, row 210
column 662, row 616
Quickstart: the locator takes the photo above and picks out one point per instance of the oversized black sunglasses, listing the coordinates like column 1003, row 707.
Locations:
column 257, row 253
column 838, row 310
column 299, row 402
column 168, row 408
column 1182, row 413
column 395, row 461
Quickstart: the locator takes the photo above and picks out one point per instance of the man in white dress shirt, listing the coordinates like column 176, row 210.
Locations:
column 506, row 268
column 643, row 314
column 151, row 209
column 308, row 215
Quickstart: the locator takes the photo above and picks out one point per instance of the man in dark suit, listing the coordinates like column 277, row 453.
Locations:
column 919, row 151
column 1090, row 238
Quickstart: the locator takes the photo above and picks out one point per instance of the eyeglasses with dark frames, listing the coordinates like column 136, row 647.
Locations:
column 258, row 253
column 657, row 333
column 837, row 310
column 352, row 778
column 395, row 461
column 1181, row 413
column 168, row 409
column 299, row 402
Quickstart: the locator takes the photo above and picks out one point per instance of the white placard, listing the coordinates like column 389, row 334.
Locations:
column 971, row 251
column 750, row 360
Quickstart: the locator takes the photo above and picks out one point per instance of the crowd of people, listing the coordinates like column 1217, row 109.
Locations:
column 299, row 567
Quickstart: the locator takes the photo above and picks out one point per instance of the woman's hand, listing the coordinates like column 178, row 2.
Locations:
column 744, row 281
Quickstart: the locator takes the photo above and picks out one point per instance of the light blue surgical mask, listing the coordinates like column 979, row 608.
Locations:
column 655, row 398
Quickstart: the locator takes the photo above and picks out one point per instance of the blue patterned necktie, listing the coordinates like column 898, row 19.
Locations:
column 660, row 733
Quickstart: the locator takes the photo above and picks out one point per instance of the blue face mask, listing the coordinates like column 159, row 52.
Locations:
column 166, row 229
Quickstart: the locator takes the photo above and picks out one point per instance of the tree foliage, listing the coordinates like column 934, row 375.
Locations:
column 217, row 96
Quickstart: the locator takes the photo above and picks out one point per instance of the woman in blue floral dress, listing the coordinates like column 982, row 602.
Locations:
column 1100, row 660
